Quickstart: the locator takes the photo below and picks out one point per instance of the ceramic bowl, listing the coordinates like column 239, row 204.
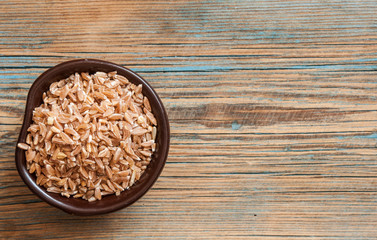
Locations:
column 108, row 203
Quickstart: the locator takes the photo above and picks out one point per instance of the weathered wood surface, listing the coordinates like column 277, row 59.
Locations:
column 272, row 106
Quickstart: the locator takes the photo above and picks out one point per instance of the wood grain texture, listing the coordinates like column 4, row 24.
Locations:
column 272, row 106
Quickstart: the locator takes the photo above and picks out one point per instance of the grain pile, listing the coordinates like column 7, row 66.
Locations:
column 94, row 135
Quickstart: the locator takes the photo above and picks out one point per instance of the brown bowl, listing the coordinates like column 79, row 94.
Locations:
column 108, row 203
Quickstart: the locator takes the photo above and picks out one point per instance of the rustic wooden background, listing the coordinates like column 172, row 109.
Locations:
column 272, row 106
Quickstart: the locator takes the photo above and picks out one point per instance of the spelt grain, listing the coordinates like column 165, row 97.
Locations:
column 94, row 135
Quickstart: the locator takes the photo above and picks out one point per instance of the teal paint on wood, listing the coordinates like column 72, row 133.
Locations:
column 297, row 159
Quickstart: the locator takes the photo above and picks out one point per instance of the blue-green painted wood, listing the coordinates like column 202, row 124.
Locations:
column 272, row 107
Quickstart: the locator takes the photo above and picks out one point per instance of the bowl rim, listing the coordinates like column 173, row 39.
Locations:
column 41, row 192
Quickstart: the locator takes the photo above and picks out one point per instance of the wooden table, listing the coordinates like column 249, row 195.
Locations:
column 272, row 106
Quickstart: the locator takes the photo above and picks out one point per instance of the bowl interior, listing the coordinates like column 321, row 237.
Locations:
column 112, row 202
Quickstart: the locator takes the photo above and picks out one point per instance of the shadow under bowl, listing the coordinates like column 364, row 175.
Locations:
column 108, row 203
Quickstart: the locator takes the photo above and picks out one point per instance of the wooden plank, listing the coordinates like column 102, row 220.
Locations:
column 272, row 106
